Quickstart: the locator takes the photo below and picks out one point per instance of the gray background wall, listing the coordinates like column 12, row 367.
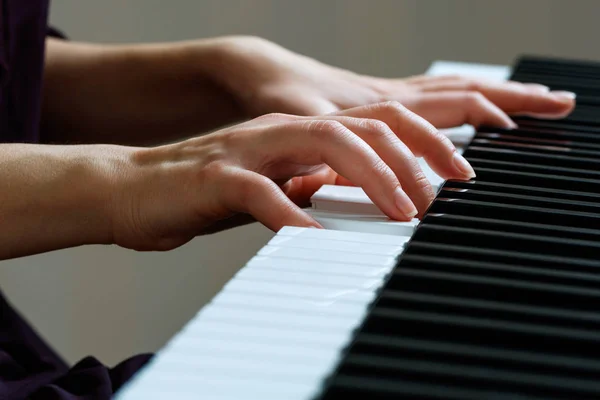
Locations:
column 112, row 302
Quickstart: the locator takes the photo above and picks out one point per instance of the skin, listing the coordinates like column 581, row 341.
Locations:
column 282, row 125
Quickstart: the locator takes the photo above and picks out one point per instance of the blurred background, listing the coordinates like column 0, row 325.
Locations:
column 111, row 302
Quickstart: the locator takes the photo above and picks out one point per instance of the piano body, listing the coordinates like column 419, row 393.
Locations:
column 495, row 293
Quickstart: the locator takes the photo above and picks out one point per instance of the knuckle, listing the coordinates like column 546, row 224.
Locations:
column 275, row 117
column 393, row 106
column 246, row 192
column 474, row 98
column 378, row 130
column 455, row 77
column 375, row 126
column 328, row 129
column 473, row 85
column 213, row 170
column 423, row 184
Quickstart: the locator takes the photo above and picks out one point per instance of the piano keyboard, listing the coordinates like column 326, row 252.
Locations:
column 494, row 294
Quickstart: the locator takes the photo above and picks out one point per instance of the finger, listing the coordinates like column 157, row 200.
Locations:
column 254, row 194
column 309, row 142
column 511, row 97
column 450, row 109
column 422, row 138
column 396, row 155
column 301, row 188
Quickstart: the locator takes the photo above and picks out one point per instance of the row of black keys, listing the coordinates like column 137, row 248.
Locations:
column 497, row 294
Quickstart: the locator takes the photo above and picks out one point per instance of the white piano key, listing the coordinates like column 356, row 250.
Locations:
column 185, row 375
column 337, row 245
column 251, row 361
column 302, row 321
column 276, row 351
column 488, row 71
column 330, row 268
column 260, row 301
column 307, row 278
column 257, row 367
column 244, row 388
column 243, row 349
column 346, row 199
column 326, row 255
column 435, row 180
column 354, row 200
column 263, row 334
column 363, row 223
column 323, row 293
column 360, row 237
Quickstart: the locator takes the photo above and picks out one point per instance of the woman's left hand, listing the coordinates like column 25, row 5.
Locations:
column 266, row 78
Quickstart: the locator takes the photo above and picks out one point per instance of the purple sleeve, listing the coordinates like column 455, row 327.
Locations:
column 55, row 33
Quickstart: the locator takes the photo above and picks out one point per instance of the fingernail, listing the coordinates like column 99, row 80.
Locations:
column 541, row 88
column 563, row 95
column 405, row 204
column 511, row 125
column 463, row 166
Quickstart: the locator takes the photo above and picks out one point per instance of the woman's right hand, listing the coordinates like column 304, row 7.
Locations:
column 268, row 166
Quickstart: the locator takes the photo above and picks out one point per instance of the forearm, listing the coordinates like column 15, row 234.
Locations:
column 133, row 94
column 53, row 197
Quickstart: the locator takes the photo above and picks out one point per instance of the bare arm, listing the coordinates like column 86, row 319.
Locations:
column 133, row 94
column 158, row 198
column 53, row 197
column 152, row 93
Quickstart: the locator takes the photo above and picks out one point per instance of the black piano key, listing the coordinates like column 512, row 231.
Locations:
column 343, row 386
column 512, row 226
column 555, row 125
column 489, row 332
column 582, row 166
column 561, row 151
column 548, row 140
column 523, row 190
column 513, row 241
column 519, row 213
column 518, row 199
column 548, row 168
column 474, row 354
column 540, row 180
column 469, row 252
column 410, row 278
column 483, row 378
column 540, row 273
column 497, row 294
column 466, row 305
column 545, row 133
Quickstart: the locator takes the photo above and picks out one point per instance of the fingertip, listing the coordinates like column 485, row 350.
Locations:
column 404, row 204
column 462, row 166
column 564, row 95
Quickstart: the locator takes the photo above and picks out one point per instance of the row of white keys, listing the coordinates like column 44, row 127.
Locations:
column 278, row 328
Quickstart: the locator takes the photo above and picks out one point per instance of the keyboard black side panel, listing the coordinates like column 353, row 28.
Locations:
column 498, row 292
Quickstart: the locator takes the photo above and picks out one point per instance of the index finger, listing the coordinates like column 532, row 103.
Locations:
column 512, row 97
column 422, row 138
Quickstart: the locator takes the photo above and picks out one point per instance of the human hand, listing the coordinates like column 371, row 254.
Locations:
column 268, row 166
column 267, row 78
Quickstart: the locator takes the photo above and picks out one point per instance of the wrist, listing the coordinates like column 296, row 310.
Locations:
column 95, row 175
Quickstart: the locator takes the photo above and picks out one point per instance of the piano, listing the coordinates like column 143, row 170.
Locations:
column 494, row 294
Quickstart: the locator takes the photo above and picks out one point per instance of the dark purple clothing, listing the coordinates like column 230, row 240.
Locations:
column 22, row 35
column 29, row 368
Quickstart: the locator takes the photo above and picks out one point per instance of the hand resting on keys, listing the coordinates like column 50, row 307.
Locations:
column 337, row 127
column 269, row 165
column 266, row 78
